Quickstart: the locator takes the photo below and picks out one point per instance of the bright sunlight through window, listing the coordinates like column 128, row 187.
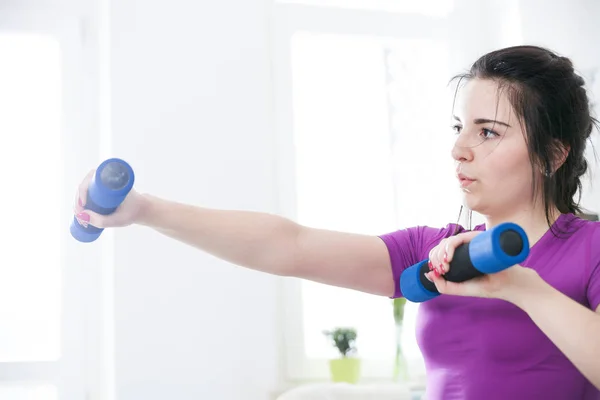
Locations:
column 371, row 131
column 30, row 260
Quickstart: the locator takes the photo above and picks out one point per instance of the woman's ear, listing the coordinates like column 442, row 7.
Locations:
column 561, row 155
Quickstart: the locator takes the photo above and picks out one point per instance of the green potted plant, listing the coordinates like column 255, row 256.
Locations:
column 347, row 367
column 400, row 365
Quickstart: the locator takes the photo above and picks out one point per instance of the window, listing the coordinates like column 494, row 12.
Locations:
column 30, row 281
column 43, row 286
column 342, row 145
column 364, row 128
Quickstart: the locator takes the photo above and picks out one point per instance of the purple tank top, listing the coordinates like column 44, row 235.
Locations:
column 489, row 349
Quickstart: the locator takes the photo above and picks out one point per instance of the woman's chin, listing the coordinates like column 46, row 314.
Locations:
column 471, row 202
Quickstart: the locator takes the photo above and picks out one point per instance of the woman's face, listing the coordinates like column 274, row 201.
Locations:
column 493, row 165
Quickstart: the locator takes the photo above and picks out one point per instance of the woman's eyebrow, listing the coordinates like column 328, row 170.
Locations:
column 479, row 121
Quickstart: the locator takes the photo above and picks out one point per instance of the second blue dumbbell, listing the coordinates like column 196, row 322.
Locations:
column 489, row 252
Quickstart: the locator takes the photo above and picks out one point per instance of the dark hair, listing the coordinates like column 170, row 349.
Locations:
column 552, row 106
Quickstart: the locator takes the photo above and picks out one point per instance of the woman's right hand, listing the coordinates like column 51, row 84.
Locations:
column 128, row 212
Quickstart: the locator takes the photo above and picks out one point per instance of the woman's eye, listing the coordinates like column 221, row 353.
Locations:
column 488, row 133
column 456, row 128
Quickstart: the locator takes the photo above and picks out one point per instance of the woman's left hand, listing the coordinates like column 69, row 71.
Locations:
column 506, row 284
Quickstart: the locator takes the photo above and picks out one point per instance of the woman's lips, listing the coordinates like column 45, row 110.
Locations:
column 465, row 180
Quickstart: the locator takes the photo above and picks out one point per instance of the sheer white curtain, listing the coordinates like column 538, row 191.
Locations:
column 371, row 142
column 363, row 109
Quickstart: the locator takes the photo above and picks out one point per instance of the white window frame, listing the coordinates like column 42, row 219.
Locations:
column 76, row 373
column 287, row 20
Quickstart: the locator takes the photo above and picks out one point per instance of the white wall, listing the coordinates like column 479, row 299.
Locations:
column 191, row 110
column 566, row 26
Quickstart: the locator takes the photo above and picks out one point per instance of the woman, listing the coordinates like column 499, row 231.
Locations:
column 522, row 119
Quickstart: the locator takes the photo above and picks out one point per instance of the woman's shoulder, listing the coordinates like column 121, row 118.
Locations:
column 569, row 225
column 577, row 237
column 433, row 232
column 421, row 238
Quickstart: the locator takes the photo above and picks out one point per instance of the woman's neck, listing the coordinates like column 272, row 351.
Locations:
column 532, row 220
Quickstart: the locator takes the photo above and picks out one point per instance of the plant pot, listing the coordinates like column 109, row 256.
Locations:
column 345, row 370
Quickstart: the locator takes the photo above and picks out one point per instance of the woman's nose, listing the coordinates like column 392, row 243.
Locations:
column 460, row 152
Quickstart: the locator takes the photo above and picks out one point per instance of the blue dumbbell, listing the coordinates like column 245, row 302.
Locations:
column 110, row 184
column 489, row 252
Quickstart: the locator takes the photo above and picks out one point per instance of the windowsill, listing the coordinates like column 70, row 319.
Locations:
column 416, row 385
